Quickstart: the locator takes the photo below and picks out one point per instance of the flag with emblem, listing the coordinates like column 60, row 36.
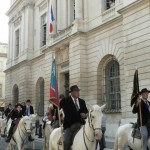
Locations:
column 54, row 85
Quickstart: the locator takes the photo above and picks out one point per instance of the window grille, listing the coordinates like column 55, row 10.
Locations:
column 113, row 85
column 17, row 43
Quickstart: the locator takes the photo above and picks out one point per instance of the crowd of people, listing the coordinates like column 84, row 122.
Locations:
column 75, row 112
column 15, row 113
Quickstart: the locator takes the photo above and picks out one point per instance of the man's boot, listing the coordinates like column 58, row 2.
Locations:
column 30, row 138
column 9, row 137
column 10, row 133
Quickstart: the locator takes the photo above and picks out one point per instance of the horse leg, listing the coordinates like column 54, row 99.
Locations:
column 10, row 147
column 19, row 146
column 44, row 147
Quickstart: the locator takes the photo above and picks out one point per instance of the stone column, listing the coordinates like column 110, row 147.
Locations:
column 78, row 9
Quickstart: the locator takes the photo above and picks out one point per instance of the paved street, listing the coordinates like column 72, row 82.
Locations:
column 38, row 145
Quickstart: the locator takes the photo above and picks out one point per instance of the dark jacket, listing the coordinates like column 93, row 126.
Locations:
column 54, row 112
column 7, row 111
column 16, row 114
column 144, row 111
column 23, row 109
column 31, row 110
column 71, row 114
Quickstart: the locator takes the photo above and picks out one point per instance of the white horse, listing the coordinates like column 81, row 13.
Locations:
column 123, row 139
column 3, row 125
column 86, row 138
column 24, row 129
column 47, row 131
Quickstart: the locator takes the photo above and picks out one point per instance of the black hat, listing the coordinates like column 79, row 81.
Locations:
column 144, row 90
column 74, row 88
column 28, row 101
column 18, row 104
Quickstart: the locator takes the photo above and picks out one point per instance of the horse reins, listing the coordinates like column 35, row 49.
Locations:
column 91, row 126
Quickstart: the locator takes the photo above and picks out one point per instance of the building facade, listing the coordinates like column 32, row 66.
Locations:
column 97, row 45
column 3, row 59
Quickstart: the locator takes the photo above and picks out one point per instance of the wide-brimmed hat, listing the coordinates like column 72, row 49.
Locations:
column 144, row 90
column 74, row 88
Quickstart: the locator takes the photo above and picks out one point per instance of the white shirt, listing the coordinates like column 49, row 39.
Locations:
column 77, row 101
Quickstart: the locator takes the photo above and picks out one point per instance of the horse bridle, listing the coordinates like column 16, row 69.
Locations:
column 91, row 126
column 23, row 140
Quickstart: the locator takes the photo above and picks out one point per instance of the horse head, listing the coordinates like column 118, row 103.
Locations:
column 33, row 119
column 95, row 120
column 26, row 124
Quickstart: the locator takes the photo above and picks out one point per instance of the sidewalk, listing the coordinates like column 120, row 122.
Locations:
column 109, row 142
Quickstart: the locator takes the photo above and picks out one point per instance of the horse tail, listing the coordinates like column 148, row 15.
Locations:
column 116, row 142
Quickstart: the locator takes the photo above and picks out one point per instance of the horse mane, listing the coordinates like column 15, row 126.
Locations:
column 22, row 120
column 33, row 117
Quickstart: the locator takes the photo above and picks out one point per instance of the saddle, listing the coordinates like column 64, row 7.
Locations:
column 74, row 128
column 136, row 131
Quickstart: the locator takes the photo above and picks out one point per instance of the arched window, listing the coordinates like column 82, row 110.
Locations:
column 112, row 75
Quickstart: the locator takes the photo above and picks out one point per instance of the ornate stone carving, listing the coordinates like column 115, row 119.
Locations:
column 17, row 22
column 62, row 55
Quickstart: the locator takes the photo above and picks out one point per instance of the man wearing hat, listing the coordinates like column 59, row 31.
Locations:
column 28, row 108
column 145, row 113
column 17, row 113
column 75, row 112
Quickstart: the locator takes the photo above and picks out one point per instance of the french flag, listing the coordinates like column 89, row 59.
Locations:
column 54, row 85
column 52, row 19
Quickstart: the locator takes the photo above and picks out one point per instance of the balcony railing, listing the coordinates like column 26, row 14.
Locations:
column 62, row 34
column 109, row 13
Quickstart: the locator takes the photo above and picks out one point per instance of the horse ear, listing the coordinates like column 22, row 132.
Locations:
column 90, row 107
column 103, row 107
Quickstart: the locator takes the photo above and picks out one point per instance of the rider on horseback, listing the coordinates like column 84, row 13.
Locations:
column 75, row 111
column 145, row 113
column 16, row 114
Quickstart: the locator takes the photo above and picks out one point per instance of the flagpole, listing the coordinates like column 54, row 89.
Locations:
column 54, row 94
column 141, row 122
column 61, row 128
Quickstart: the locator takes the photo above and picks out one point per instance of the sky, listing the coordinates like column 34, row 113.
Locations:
column 4, row 6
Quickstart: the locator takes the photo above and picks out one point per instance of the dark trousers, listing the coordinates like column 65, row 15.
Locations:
column 102, row 143
column 69, row 134
column 11, row 129
column 55, row 124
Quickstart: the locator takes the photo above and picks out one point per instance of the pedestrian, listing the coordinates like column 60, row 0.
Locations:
column 102, row 143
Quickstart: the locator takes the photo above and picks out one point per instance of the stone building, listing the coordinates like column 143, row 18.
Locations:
column 96, row 43
column 3, row 59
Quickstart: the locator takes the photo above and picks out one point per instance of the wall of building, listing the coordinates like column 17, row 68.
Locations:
column 3, row 59
column 83, row 50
